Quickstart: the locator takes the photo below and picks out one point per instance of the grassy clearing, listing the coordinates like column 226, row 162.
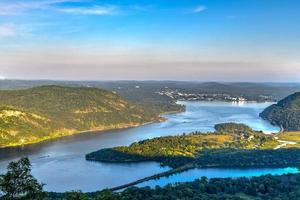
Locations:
column 293, row 136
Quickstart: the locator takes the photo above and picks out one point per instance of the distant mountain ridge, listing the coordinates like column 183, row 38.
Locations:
column 286, row 113
column 147, row 90
column 45, row 112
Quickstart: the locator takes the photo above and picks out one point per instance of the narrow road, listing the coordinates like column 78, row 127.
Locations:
column 156, row 176
column 284, row 143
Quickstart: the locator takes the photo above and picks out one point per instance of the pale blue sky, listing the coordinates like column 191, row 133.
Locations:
column 225, row 40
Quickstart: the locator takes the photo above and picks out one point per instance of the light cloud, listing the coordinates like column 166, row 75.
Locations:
column 16, row 7
column 96, row 10
column 199, row 9
column 99, row 64
column 7, row 30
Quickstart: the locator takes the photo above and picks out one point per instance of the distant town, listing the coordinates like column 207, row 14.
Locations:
column 175, row 94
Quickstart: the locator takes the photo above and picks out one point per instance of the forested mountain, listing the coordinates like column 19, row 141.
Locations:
column 286, row 113
column 39, row 113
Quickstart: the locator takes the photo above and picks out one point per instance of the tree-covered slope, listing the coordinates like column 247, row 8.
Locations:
column 176, row 151
column 40, row 113
column 286, row 113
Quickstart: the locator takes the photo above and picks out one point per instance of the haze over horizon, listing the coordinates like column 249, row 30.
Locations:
column 198, row 40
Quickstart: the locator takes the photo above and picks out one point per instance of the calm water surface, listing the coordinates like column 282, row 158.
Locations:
column 61, row 163
column 193, row 174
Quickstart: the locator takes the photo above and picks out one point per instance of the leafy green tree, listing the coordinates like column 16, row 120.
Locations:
column 75, row 195
column 107, row 195
column 19, row 184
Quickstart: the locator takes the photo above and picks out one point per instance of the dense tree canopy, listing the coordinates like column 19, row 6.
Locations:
column 286, row 113
column 19, row 184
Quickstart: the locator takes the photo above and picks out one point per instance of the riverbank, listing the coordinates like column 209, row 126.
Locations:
column 58, row 135
column 66, row 134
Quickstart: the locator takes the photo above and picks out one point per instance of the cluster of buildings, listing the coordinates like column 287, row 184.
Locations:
column 175, row 94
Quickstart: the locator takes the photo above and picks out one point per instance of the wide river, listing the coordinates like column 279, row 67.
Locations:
column 61, row 164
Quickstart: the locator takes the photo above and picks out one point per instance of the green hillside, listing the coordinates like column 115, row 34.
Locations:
column 176, row 151
column 286, row 113
column 40, row 113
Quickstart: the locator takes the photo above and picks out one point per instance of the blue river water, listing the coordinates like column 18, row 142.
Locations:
column 193, row 174
column 61, row 164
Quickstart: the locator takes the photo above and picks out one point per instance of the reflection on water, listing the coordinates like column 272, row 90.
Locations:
column 193, row 174
column 61, row 163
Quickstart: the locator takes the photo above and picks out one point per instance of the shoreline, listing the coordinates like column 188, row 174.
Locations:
column 73, row 134
column 158, row 119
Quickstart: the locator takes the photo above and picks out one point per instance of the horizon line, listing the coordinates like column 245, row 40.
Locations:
column 146, row 80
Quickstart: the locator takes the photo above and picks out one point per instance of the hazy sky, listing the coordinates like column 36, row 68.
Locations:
column 225, row 40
